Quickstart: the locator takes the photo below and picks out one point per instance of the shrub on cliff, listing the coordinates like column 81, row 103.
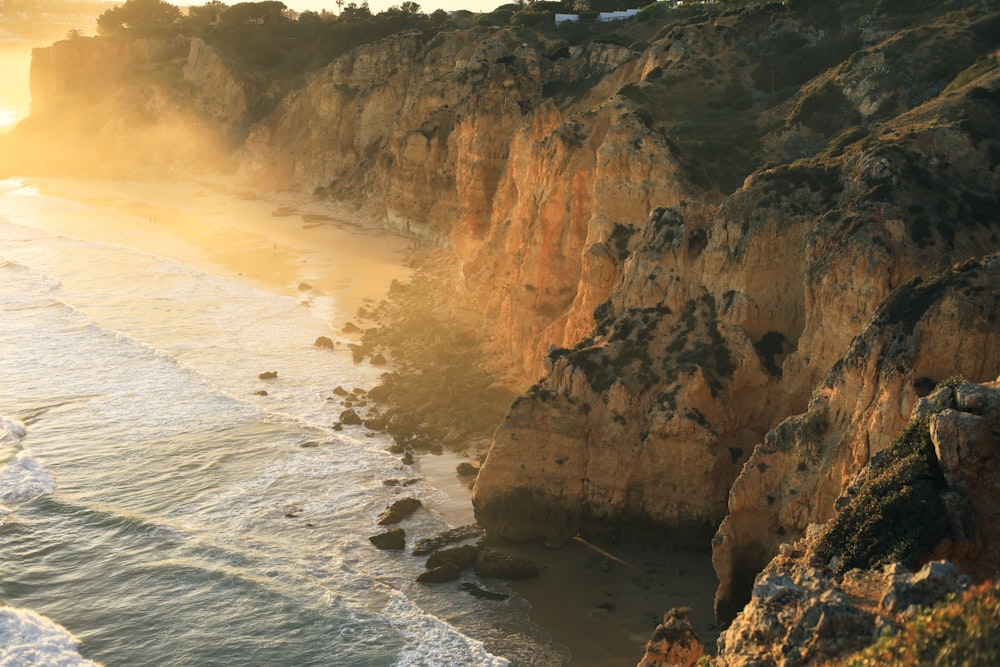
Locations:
column 896, row 514
column 960, row 631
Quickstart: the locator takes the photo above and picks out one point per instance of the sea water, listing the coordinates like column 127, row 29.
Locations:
column 156, row 509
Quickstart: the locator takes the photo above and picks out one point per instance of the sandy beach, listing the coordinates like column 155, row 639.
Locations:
column 603, row 604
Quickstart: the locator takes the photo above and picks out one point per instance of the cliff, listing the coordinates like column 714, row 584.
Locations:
column 731, row 269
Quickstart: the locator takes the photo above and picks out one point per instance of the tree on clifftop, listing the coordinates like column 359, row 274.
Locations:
column 147, row 18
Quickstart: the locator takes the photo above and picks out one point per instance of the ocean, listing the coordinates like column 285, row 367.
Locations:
column 156, row 509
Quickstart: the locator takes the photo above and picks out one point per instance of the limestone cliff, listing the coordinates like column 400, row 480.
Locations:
column 684, row 232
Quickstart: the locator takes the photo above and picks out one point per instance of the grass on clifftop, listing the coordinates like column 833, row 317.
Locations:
column 961, row 631
column 896, row 514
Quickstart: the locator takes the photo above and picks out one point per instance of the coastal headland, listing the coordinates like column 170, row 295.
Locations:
column 687, row 281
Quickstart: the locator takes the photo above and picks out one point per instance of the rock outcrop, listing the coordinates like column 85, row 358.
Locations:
column 924, row 332
column 797, row 616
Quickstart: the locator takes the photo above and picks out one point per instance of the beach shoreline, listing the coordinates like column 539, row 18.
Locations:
column 601, row 604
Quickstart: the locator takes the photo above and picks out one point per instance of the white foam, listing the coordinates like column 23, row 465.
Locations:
column 25, row 478
column 434, row 642
column 11, row 430
column 28, row 638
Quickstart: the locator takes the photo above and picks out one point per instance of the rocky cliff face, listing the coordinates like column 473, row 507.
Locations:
column 688, row 238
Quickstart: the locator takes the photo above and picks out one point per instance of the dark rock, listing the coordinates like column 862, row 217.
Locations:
column 400, row 482
column 466, row 469
column 305, row 287
column 293, row 511
column 351, row 327
column 261, row 392
column 462, row 557
column 337, row 426
column 440, row 574
column 340, row 391
column 452, row 536
column 379, row 393
column 407, row 459
column 490, row 563
column 378, row 359
column 482, row 593
column 349, row 418
column 357, row 352
column 324, row 341
column 399, row 510
column 268, row 375
column 391, row 540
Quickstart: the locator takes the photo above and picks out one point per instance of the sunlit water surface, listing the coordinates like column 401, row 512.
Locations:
column 145, row 487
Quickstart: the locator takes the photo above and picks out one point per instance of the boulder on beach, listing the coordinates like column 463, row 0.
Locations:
column 340, row 391
column 440, row 574
column 391, row 540
column 490, row 563
column 351, row 327
column 466, row 469
column 324, row 341
column 268, row 375
column 399, row 510
column 451, row 536
column 462, row 557
column 349, row 417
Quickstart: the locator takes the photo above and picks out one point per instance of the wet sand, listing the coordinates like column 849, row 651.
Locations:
column 603, row 604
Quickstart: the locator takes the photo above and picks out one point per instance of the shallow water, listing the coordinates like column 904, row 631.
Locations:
column 161, row 512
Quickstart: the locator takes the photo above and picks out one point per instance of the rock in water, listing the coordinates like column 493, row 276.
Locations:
column 268, row 375
column 349, row 417
column 324, row 341
column 399, row 510
column 391, row 540
column 440, row 574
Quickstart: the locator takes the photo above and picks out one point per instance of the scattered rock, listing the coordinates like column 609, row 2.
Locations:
column 462, row 557
column 293, row 511
column 324, row 341
column 268, row 375
column 391, row 540
column 340, row 391
column 407, row 459
column 399, row 510
column 482, row 593
column 452, row 536
column 337, row 426
column 304, row 287
column 440, row 574
column 490, row 563
column 351, row 327
column 378, row 359
column 349, row 417
column 261, row 392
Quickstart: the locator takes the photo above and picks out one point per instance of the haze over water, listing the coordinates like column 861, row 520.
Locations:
column 156, row 507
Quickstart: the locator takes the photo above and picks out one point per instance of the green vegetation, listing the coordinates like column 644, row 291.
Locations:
column 959, row 632
column 896, row 514
column 267, row 35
